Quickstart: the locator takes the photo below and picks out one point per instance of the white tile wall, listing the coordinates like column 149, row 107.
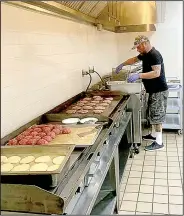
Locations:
column 41, row 62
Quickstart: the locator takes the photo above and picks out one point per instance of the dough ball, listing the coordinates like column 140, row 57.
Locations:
column 39, row 167
column 6, row 167
column 27, row 159
column 14, row 159
column 58, row 160
column 43, row 159
column 4, row 159
column 53, row 168
column 21, row 167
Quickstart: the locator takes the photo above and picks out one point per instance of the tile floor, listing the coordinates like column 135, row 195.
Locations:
column 152, row 181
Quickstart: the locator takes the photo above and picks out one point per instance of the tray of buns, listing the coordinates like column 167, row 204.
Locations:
column 32, row 160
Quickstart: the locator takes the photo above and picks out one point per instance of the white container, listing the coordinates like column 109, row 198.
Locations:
column 123, row 86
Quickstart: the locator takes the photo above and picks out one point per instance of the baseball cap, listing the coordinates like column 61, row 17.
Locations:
column 139, row 39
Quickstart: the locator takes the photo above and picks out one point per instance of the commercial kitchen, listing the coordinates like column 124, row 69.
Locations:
column 71, row 138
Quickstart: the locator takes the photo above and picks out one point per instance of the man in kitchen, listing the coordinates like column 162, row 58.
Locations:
column 153, row 78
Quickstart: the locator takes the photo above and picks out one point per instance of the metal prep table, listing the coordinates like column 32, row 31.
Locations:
column 92, row 182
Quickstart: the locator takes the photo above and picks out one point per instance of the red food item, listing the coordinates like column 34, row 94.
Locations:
column 34, row 133
column 25, row 133
column 50, row 126
column 42, row 142
column 42, row 134
column 20, row 137
column 60, row 127
column 37, row 130
column 37, row 137
column 51, row 134
column 66, row 130
column 47, row 138
column 23, row 142
column 98, row 99
column 28, row 137
column 98, row 111
column 71, row 111
column 33, row 141
column 46, row 129
column 56, row 131
column 30, row 130
column 95, row 102
column 12, row 142
column 86, row 99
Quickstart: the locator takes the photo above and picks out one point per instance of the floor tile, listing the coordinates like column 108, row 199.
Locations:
column 147, row 175
column 161, row 158
column 160, row 189
column 174, row 183
column 161, row 182
column 175, row 191
column 173, row 163
column 148, row 168
column 172, row 154
column 174, row 176
column 149, row 158
column 160, row 169
column 122, row 187
column 161, row 153
column 176, row 209
column 170, row 149
column 138, row 162
column 128, row 167
column 145, row 197
column 144, row 206
column 148, row 153
column 160, row 208
column 159, row 175
column 173, row 170
column 134, row 181
column 161, row 163
column 149, row 163
column 175, row 199
column 130, row 196
column 126, row 213
column 146, row 189
column 128, row 206
column 132, row 188
column 121, row 196
column 160, row 198
column 147, row 181
column 143, row 213
column 136, row 168
column 169, row 158
column 180, row 154
column 135, row 174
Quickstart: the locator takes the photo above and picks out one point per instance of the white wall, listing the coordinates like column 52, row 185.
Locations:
column 168, row 39
column 42, row 62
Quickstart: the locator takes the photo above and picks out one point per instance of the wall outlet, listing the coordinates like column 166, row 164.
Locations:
column 91, row 69
column 84, row 72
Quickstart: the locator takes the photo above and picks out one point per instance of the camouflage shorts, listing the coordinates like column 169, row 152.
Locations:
column 157, row 105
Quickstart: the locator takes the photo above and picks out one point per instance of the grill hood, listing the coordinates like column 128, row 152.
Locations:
column 115, row 16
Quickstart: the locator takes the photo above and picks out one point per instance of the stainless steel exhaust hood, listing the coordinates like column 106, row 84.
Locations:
column 115, row 16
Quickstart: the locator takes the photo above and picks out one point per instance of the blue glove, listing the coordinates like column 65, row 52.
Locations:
column 133, row 77
column 119, row 67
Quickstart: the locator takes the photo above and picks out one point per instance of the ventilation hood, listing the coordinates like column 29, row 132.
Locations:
column 115, row 16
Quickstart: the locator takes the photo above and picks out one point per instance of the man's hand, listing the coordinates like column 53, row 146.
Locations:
column 133, row 77
column 119, row 67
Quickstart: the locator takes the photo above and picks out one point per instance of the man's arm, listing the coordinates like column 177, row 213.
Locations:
column 152, row 74
column 131, row 61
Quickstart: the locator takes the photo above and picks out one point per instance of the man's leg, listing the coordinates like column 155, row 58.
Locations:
column 158, row 107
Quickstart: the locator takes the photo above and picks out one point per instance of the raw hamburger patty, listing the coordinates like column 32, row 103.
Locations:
column 109, row 98
column 83, row 111
column 87, row 99
column 107, row 101
column 99, row 108
column 87, row 107
column 66, row 130
column 104, row 104
column 98, row 111
column 71, row 111
column 76, row 107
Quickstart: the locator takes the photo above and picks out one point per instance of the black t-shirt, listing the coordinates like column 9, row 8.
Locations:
column 153, row 57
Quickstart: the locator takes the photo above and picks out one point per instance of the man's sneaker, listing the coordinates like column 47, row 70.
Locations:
column 149, row 137
column 154, row 146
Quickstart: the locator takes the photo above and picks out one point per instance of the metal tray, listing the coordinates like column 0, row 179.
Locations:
column 37, row 151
